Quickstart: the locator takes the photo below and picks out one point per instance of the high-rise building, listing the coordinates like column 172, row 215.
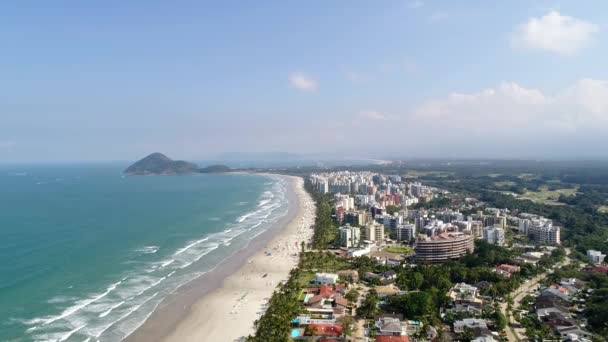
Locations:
column 494, row 235
column 406, row 232
column 443, row 248
column 350, row 236
column 374, row 231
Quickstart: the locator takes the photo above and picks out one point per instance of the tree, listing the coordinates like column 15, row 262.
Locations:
column 369, row 308
column 347, row 323
column 501, row 320
column 391, row 209
column 416, row 280
column 352, row 296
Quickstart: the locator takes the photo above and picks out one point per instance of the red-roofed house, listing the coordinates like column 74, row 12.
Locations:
column 507, row 270
column 326, row 291
column 326, row 329
column 341, row 301
column 316, row 300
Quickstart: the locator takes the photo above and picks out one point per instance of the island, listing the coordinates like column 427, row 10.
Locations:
column 159, row 164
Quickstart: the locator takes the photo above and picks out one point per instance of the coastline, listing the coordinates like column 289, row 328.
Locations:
column 222, row 304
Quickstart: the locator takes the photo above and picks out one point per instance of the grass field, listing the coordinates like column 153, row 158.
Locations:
column 417, row 174
column 527, row 176
column 505, row 183
column 547, row 196
column 399, row 250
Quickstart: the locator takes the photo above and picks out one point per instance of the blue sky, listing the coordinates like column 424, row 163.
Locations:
column 115, row 80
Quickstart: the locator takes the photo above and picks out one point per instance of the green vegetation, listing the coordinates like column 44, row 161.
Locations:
column 352, row 296
column 399, row 249
column 544, row 195
column 420, row 174
column 504, row 184
column 159, row 164
column 274, row 325
column 439, row 202
column 369, row 307
column 391, row 209
column 326, row 229
column 215, row 169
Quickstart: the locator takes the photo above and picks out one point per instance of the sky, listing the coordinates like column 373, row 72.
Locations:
column 116, row 80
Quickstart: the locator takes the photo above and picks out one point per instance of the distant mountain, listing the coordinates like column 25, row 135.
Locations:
column 218, row 168
column 159, row 164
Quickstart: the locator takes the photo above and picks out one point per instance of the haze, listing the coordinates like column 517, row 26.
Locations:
column 116, row 80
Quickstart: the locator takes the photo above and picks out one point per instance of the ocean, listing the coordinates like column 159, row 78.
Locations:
column 87, row 254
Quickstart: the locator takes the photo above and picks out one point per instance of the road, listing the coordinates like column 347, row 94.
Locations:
column 519, row 334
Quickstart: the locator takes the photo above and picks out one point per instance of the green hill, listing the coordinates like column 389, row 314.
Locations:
column 159, row 164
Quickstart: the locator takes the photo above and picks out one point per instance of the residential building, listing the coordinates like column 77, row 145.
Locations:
column 406, row 232
column 443, row 248
column 350, row 236
column 507, row 270
column 390, row 326
column 595, row 257
column 326, row 278
column 374, row 232
column 471, row 323
column 494, row 235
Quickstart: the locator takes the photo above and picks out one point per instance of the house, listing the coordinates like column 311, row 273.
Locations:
column 389, row 275
column 325, row 330
column 507, row 270
column 464, row 293
column 390, row 326
column 471, row 323
column 326, row 278
column 340, row 302
column 478, row 326
column 382, row 338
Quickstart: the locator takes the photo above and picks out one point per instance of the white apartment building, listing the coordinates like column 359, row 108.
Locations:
column 595, row 257
column 541, row 230
column 350, row 236
column 494, row 235
column 406, row 232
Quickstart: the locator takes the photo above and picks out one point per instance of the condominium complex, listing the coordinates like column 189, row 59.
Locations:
column 540, row 230
column 350, row 236
column 443, row 247
column 494, row 235
column 373, row 232
column 406, row 232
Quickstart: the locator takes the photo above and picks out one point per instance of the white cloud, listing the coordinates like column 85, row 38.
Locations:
column 415, row 4
column 511, row 108
column 303, row 82
column 555, row 33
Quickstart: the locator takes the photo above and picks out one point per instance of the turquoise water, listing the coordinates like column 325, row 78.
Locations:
column 88, row 254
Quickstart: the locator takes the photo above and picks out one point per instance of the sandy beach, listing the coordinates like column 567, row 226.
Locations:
column 222, row 305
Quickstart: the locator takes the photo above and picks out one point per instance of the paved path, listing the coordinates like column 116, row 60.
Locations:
column 519, row 334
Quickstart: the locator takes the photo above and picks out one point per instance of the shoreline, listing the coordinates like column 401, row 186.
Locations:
column 222, row 304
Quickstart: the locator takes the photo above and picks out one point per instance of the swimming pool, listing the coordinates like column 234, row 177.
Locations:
column 296, row 333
